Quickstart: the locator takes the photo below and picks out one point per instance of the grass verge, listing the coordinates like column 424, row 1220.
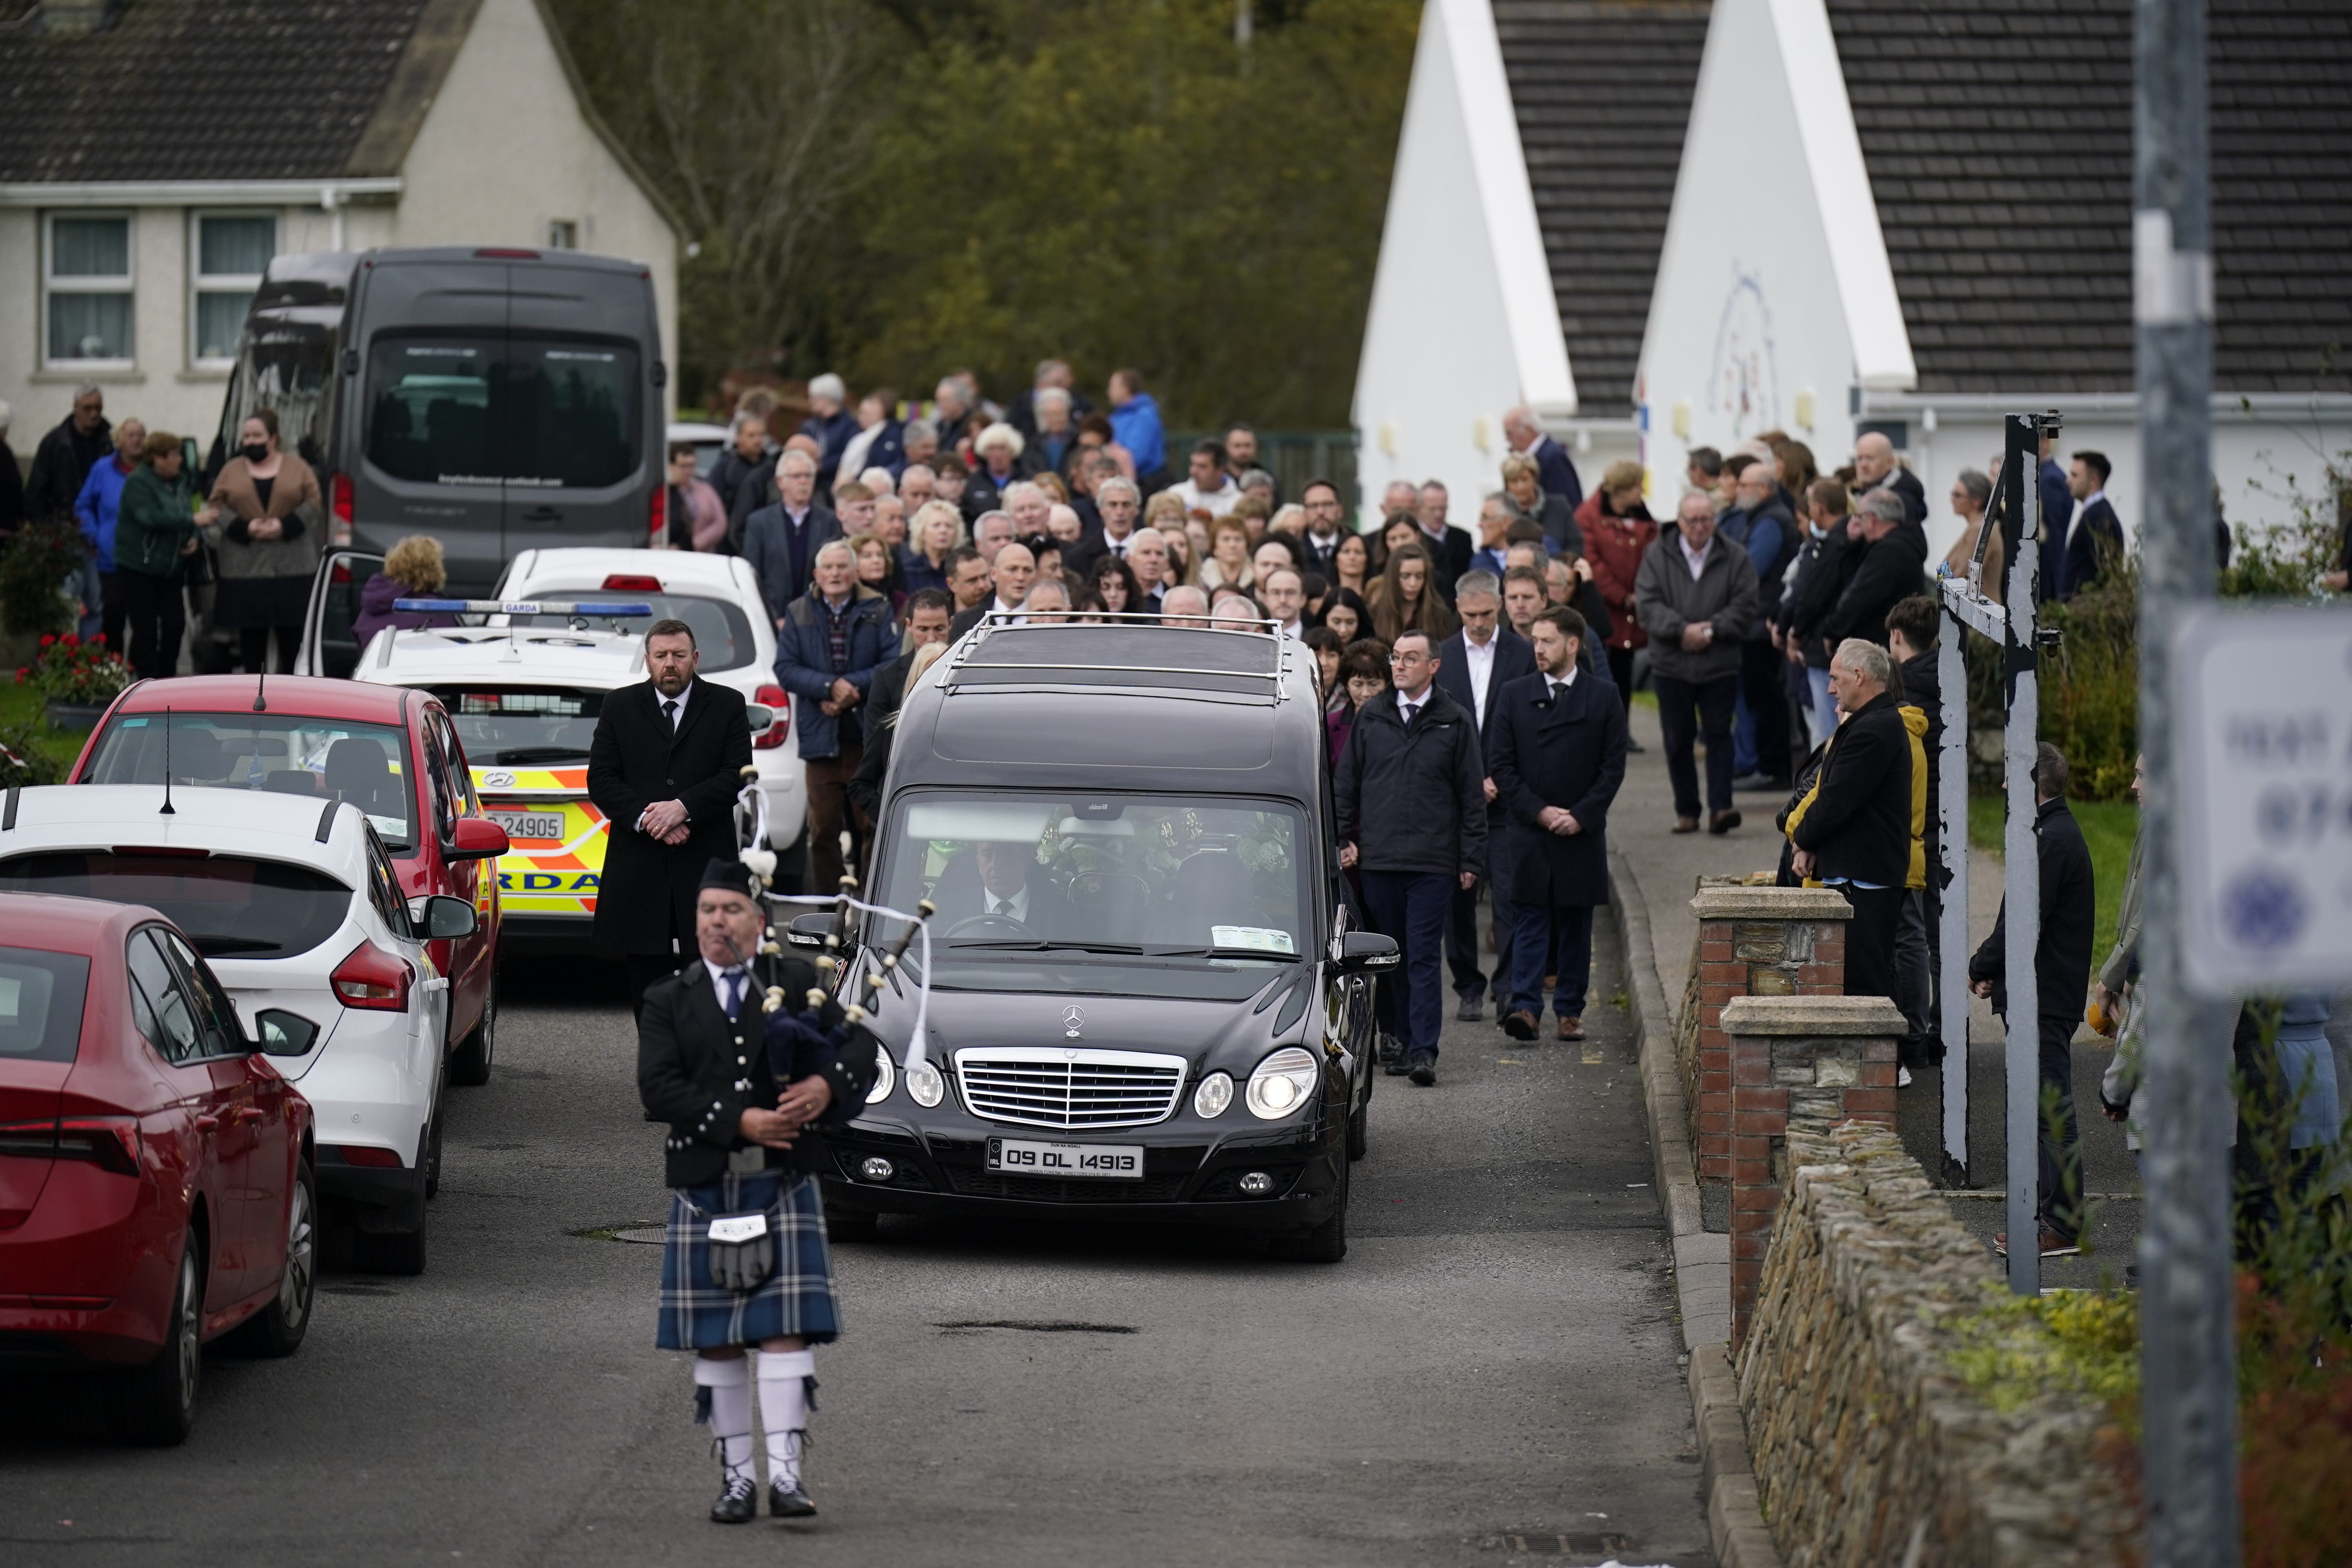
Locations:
column 2108, row 828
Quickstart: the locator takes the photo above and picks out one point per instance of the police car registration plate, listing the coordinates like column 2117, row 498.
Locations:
column 530, row 824
column 1116, row 1161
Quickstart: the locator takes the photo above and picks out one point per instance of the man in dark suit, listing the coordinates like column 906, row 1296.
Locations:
column 2057, row 507
column 1854, row 831
column 1558, row 759
column 2061, row 976
column 2094, row 535
column 781, row 540
column 1449, row 547
column 1473, row 665
column 1011, row 887
column 665, row 766
column 1875, row 469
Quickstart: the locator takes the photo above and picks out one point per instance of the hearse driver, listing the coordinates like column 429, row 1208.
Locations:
column 1013, row 887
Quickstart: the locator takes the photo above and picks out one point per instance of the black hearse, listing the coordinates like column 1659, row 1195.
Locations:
column 1148, row 995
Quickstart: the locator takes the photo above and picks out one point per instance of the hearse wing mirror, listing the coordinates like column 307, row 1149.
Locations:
column 810, row 930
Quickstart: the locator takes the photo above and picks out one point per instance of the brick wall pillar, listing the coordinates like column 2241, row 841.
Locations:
column 1819, row 1059
column 1752, row 941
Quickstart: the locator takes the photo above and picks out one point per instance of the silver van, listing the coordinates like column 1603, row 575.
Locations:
column 499, row 399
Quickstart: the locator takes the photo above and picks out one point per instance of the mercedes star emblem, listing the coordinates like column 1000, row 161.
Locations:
column 1074, row 1018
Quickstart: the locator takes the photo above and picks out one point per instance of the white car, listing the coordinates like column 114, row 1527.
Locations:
column 295, row 905
column 719, row 597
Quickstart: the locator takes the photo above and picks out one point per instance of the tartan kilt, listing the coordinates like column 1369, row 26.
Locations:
column 796, row 1298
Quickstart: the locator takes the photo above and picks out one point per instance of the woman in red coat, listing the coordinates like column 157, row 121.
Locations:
column 1617, row 530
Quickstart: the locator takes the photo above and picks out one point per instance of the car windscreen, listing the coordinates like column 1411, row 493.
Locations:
column 366, row 764
column 1146, row 895
column 482, row 408
column 522, row 727
column 41, row 998
column 722, row 632
column 230, row 907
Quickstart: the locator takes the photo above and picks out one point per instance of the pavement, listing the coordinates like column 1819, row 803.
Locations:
column 1493, row 1376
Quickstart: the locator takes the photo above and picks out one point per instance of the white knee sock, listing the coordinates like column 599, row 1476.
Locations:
column 784, row 1410
column 730, row 1383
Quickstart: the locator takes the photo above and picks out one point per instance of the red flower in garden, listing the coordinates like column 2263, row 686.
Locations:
column 47, row 641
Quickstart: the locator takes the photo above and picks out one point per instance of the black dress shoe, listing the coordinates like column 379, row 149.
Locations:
column 1722, row 822
column 788, row 1502
column 1397, row 1068
column 739, row 1504
column 1424, row 1069
column 1472, row 1009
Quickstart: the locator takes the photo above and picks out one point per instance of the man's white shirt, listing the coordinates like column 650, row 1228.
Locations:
column 1013, row 908
column 1479, row 661
column 1697, row 562
column 1217, row 503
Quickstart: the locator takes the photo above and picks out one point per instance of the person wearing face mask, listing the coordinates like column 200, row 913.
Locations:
column 266, row 520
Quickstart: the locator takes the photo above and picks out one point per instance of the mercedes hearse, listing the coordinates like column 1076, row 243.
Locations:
column 1149, row 997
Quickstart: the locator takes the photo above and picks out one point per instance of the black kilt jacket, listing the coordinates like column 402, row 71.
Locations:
column 699, row 1071
column 1567, row 750
column 647, row 892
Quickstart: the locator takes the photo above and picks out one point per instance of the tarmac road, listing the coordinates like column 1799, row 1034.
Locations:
column 1491, row 1377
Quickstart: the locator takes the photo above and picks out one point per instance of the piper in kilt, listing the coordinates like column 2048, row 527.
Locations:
column 743, row 1091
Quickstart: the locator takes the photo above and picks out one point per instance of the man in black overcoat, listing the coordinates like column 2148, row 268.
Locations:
column 1558, row 760
column 1473, row 665
column 664, row 767
column 1853, row 833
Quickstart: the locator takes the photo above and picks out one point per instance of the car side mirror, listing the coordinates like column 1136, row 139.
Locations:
column 760, row 717
column 443, row 918
column 477, row 838
column 809, row 930
column 1362, row 951
column 284, row 1034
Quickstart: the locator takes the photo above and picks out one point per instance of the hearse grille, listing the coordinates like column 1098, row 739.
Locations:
column 1069, row 1088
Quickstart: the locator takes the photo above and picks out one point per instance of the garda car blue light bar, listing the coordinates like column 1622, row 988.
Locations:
column 518, row 607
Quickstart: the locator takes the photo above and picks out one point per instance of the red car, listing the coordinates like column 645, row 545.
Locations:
column 156, row 1171
column 282, row 733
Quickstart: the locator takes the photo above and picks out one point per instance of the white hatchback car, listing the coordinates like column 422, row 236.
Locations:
column 295, row 904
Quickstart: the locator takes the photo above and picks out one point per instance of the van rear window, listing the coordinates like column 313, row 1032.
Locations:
column 526, row 413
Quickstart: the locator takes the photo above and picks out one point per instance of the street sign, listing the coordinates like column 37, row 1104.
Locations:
column 2264, row 700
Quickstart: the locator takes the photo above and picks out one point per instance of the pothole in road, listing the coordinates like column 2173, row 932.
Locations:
column 1032, row 1326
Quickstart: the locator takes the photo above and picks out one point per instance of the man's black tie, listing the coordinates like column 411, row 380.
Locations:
column 669, row 712
column 1004, row 907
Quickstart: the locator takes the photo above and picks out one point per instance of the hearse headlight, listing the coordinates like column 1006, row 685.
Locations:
column 925, row 1084
column 1216, row 1092
column 886, row 1078
column 1283, row 1082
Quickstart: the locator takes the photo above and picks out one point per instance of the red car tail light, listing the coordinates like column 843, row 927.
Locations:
column 777, row 698
column 373, row 979
column 367, row 1154
column 658, row 518
column 110, row 1143
column 343, row 498
column 631, row 583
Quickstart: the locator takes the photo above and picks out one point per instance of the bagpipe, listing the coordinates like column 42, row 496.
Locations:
column 831, row 1013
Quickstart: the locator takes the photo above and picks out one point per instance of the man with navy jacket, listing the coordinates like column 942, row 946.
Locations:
column 1558, row 759
column 1473, row 665
column 2093, row 535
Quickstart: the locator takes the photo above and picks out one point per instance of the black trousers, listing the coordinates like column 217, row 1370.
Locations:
column 2058, row 1142
column 1766, row 689
column 1620, row 670
column 158, row 619
column 1687, row 712
column 112, row 616
column 1870, row 969
column 254, row 642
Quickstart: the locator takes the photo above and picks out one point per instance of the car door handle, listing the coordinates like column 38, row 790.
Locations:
column 207, row 1123
column 251, row 1114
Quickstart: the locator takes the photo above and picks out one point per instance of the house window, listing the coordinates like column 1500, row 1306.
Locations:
column 563, row 234
column 232, row 251
column 86, row 288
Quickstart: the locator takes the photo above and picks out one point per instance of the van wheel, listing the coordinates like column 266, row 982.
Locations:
column 469, row 1063
column 155, row 1404
column 1325, row 1242
column 278, row 1329
column 402, row 1252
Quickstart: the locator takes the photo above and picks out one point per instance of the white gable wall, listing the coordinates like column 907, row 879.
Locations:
column 1774, row 299
column 504, row 151
column 1462, row 323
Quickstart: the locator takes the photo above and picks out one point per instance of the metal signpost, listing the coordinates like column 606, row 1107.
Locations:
column 1966, row 607
column 2188, row 1396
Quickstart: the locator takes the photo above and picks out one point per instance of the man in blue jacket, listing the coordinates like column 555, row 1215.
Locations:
column 1135, row 425
column 1559, row 759
column 2092, row 535
column 101, row 499
column 1410, row 794
column 833, row 639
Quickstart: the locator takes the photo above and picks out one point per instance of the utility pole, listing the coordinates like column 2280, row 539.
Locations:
column 2189, row 1410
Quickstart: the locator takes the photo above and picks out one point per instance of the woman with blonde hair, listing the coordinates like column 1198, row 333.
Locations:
column 412, row 569
column 1404, row 598
column 934, row 532
column 1183, row 559
column 1523, row 493
column 1228, row 565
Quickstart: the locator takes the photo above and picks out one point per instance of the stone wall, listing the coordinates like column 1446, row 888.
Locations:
column 1752, row 941
column 1868, row 1450
column 1822, row 1058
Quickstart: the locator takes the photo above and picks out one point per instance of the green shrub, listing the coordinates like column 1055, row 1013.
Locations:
column 24, row 762
column 2088, row 689
column 33, row 570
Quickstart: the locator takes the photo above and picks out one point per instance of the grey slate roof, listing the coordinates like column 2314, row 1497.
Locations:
column 202, row 89
column 1997, row 135
column 1603, row 92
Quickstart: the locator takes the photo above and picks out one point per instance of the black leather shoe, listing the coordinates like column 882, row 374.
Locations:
column 739, row 1504
column 1424, row 1070
column 1396, row 1069
column 1472, row 1009
column 788, row 1502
